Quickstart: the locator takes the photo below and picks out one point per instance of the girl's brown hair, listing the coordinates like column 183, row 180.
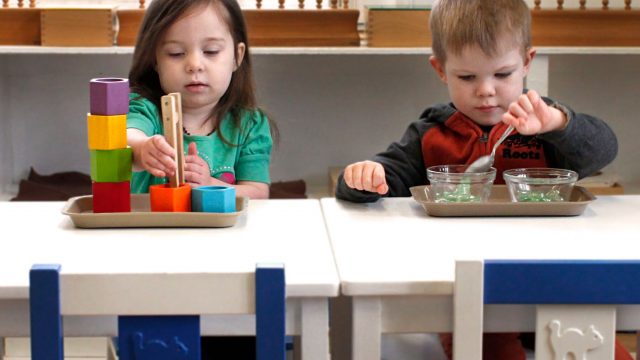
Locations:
column 456, row 24
column 161, row 14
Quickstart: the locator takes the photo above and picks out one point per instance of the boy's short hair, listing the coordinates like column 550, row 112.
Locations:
column 456, row 24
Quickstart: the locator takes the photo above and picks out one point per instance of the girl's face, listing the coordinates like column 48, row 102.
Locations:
column 481, row 86
column 196, row 57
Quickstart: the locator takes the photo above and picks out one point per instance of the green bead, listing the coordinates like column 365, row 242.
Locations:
column 539, row 196
column 462, row 193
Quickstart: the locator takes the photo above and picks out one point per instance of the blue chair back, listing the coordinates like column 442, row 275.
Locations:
column 159, row 336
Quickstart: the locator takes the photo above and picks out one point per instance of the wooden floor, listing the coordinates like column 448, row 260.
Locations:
column 629, row 340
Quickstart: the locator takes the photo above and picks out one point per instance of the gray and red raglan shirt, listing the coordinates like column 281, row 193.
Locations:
column 443, row 135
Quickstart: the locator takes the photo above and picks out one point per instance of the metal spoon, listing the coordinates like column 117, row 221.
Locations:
column 483, row 163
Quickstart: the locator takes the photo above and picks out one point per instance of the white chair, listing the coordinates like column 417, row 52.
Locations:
column 575, row 303
column 158, row 314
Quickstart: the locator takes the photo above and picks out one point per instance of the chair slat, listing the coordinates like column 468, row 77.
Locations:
column 561, row 282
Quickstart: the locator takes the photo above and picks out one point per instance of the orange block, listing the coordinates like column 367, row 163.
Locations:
column 168, row 199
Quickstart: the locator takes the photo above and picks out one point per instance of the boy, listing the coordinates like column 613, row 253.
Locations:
column 482, row 51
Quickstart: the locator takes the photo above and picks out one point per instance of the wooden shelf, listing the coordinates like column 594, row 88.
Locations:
column 55, row 50
column 549, row 27
column 282, row 27
column 591, row 27
column 355, row 50
column 330, row 27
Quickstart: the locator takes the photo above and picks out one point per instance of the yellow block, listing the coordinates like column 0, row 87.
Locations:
column 107, row 132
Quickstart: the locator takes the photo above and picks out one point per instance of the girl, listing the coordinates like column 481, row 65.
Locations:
column 198, row 48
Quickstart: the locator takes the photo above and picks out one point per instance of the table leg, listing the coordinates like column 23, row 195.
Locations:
column 366, row 328
column 468, row 310
column 315, row 329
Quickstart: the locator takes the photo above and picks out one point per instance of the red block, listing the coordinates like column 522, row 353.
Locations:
column 111, row 197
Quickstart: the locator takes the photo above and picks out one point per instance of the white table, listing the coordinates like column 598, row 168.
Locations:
column 291, row 232
column 398, row 264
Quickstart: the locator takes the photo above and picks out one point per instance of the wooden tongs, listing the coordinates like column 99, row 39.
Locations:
column 172, row 127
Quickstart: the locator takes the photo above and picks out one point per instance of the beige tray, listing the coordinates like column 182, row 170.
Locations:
column 80, row 209
column 499, row 204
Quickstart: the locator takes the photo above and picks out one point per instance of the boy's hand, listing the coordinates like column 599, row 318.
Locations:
column 196, row 170
column 530, row 115
column 367, row 176
column 156, row 156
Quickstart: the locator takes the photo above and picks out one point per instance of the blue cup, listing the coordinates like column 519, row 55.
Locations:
column 215, row 199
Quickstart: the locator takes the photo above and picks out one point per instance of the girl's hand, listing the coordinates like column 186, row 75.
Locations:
column 196, row 170
column 156, row 156
column 530, row 115
column 367, row 176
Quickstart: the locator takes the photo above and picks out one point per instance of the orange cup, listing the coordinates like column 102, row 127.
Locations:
column 168, row 199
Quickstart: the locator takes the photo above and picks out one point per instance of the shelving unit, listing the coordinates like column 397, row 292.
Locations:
column 362, row 50
column 334, row 105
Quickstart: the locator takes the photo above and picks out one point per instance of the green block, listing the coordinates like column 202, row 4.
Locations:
column 111, row 165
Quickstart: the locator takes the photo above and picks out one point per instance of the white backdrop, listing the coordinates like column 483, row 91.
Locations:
column 331, row 109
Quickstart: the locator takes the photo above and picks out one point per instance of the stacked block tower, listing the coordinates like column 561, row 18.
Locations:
column 110, row 156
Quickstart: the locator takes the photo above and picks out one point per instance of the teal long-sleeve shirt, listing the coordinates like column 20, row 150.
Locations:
column 247, row 159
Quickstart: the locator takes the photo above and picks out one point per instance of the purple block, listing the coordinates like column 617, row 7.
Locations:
column 109, row 96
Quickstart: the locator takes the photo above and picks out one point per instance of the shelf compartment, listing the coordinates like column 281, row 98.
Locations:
column 19, row 26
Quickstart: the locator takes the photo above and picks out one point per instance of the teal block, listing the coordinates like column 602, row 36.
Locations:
column 111, row 165
column 217, row 199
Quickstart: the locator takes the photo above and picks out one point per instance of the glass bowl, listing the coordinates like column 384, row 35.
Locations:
column 540, row 184
column 449, row 183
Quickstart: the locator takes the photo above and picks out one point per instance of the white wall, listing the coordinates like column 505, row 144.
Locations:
column 5, row 132
column 331, row 109
column 49, row 97
column 354, row 106
column 608, row 87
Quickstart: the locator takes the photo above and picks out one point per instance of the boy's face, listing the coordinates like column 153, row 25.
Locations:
column 483, row 86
